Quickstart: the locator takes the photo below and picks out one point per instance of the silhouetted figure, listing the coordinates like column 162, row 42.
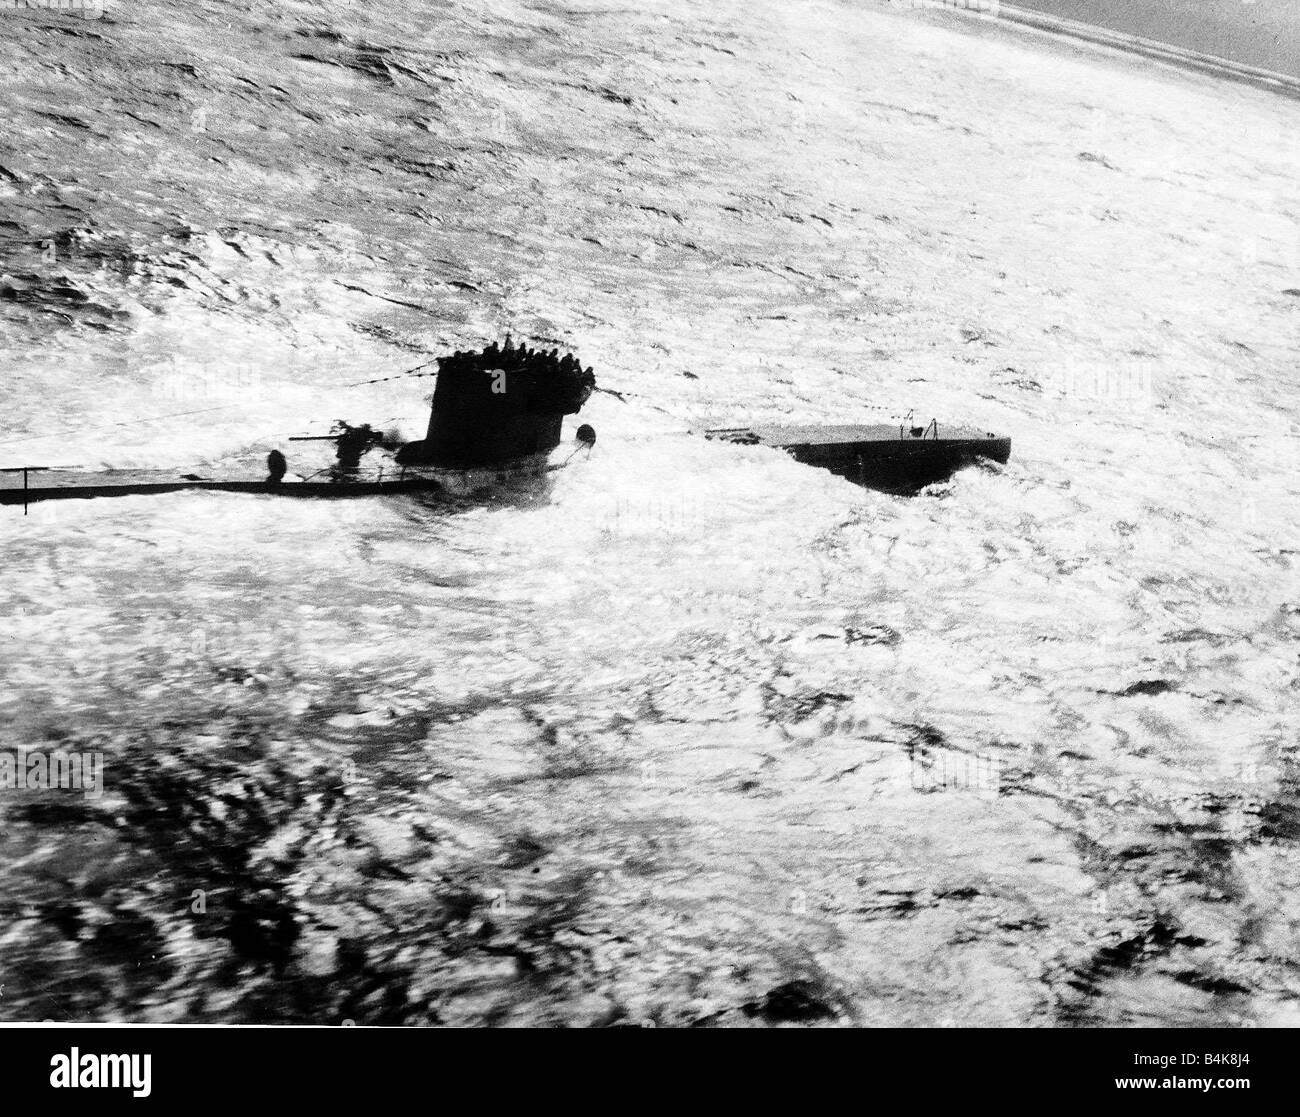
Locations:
column 276, row 465
column 351, row 442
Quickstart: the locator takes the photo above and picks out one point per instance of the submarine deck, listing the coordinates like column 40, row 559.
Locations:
column 72, row 484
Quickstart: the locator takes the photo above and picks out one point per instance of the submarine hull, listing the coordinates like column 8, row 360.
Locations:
column 392, row 481
column 889, row 459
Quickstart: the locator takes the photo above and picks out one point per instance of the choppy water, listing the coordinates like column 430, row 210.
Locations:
column 699, row 735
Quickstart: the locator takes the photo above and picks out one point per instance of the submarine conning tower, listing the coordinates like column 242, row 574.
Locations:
column 497, row 404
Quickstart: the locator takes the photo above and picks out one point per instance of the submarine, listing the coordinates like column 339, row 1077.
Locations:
column 496, row 419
